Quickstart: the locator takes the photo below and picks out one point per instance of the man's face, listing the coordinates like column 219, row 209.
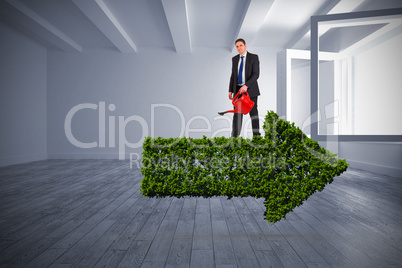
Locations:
column 241, row 48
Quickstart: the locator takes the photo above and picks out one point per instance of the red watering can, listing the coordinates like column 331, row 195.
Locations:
column 242, row 104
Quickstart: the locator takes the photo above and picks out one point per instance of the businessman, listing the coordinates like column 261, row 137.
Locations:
column 245, row 72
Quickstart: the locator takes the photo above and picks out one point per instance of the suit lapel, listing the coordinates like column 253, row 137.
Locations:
column 237, row 60
column 236, row 69
column 248, row 65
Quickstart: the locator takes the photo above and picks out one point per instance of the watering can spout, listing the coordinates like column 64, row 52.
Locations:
column 242, row 103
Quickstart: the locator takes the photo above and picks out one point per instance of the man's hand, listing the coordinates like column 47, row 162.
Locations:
column 230, row 96
column 243, row 89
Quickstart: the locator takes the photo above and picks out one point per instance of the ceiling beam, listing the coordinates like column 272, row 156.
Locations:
column 253, row 19
column 304, row 31
column 303, row 41
column 17, row 12
column 177, row 18
column 103, row 18
column 392, row 29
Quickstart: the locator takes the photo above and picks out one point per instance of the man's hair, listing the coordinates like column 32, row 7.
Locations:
column 240, row 40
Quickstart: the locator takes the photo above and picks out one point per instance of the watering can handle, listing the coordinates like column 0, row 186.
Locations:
column 241, row 107
column 235, row 99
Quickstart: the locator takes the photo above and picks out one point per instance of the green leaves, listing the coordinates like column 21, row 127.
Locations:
column 285, row 167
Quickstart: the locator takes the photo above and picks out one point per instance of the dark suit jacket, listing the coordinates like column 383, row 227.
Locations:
column 252, row 72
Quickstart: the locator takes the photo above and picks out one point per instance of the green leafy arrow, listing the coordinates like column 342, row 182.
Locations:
column 285, row 167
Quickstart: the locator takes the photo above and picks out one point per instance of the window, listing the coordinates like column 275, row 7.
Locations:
column 356, row 78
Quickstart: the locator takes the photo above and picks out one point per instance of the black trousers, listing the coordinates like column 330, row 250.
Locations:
column 238, row 120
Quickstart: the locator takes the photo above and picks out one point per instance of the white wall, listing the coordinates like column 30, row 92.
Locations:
column 377, row 93
column 194, row 85
column 22, row 98
column 301, row 93
column 326, row 99
column 380, row 157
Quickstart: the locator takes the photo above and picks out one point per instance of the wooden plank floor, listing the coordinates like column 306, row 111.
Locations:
column 90, row 213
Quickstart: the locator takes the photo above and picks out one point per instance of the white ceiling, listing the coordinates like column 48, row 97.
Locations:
column 178, row 25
